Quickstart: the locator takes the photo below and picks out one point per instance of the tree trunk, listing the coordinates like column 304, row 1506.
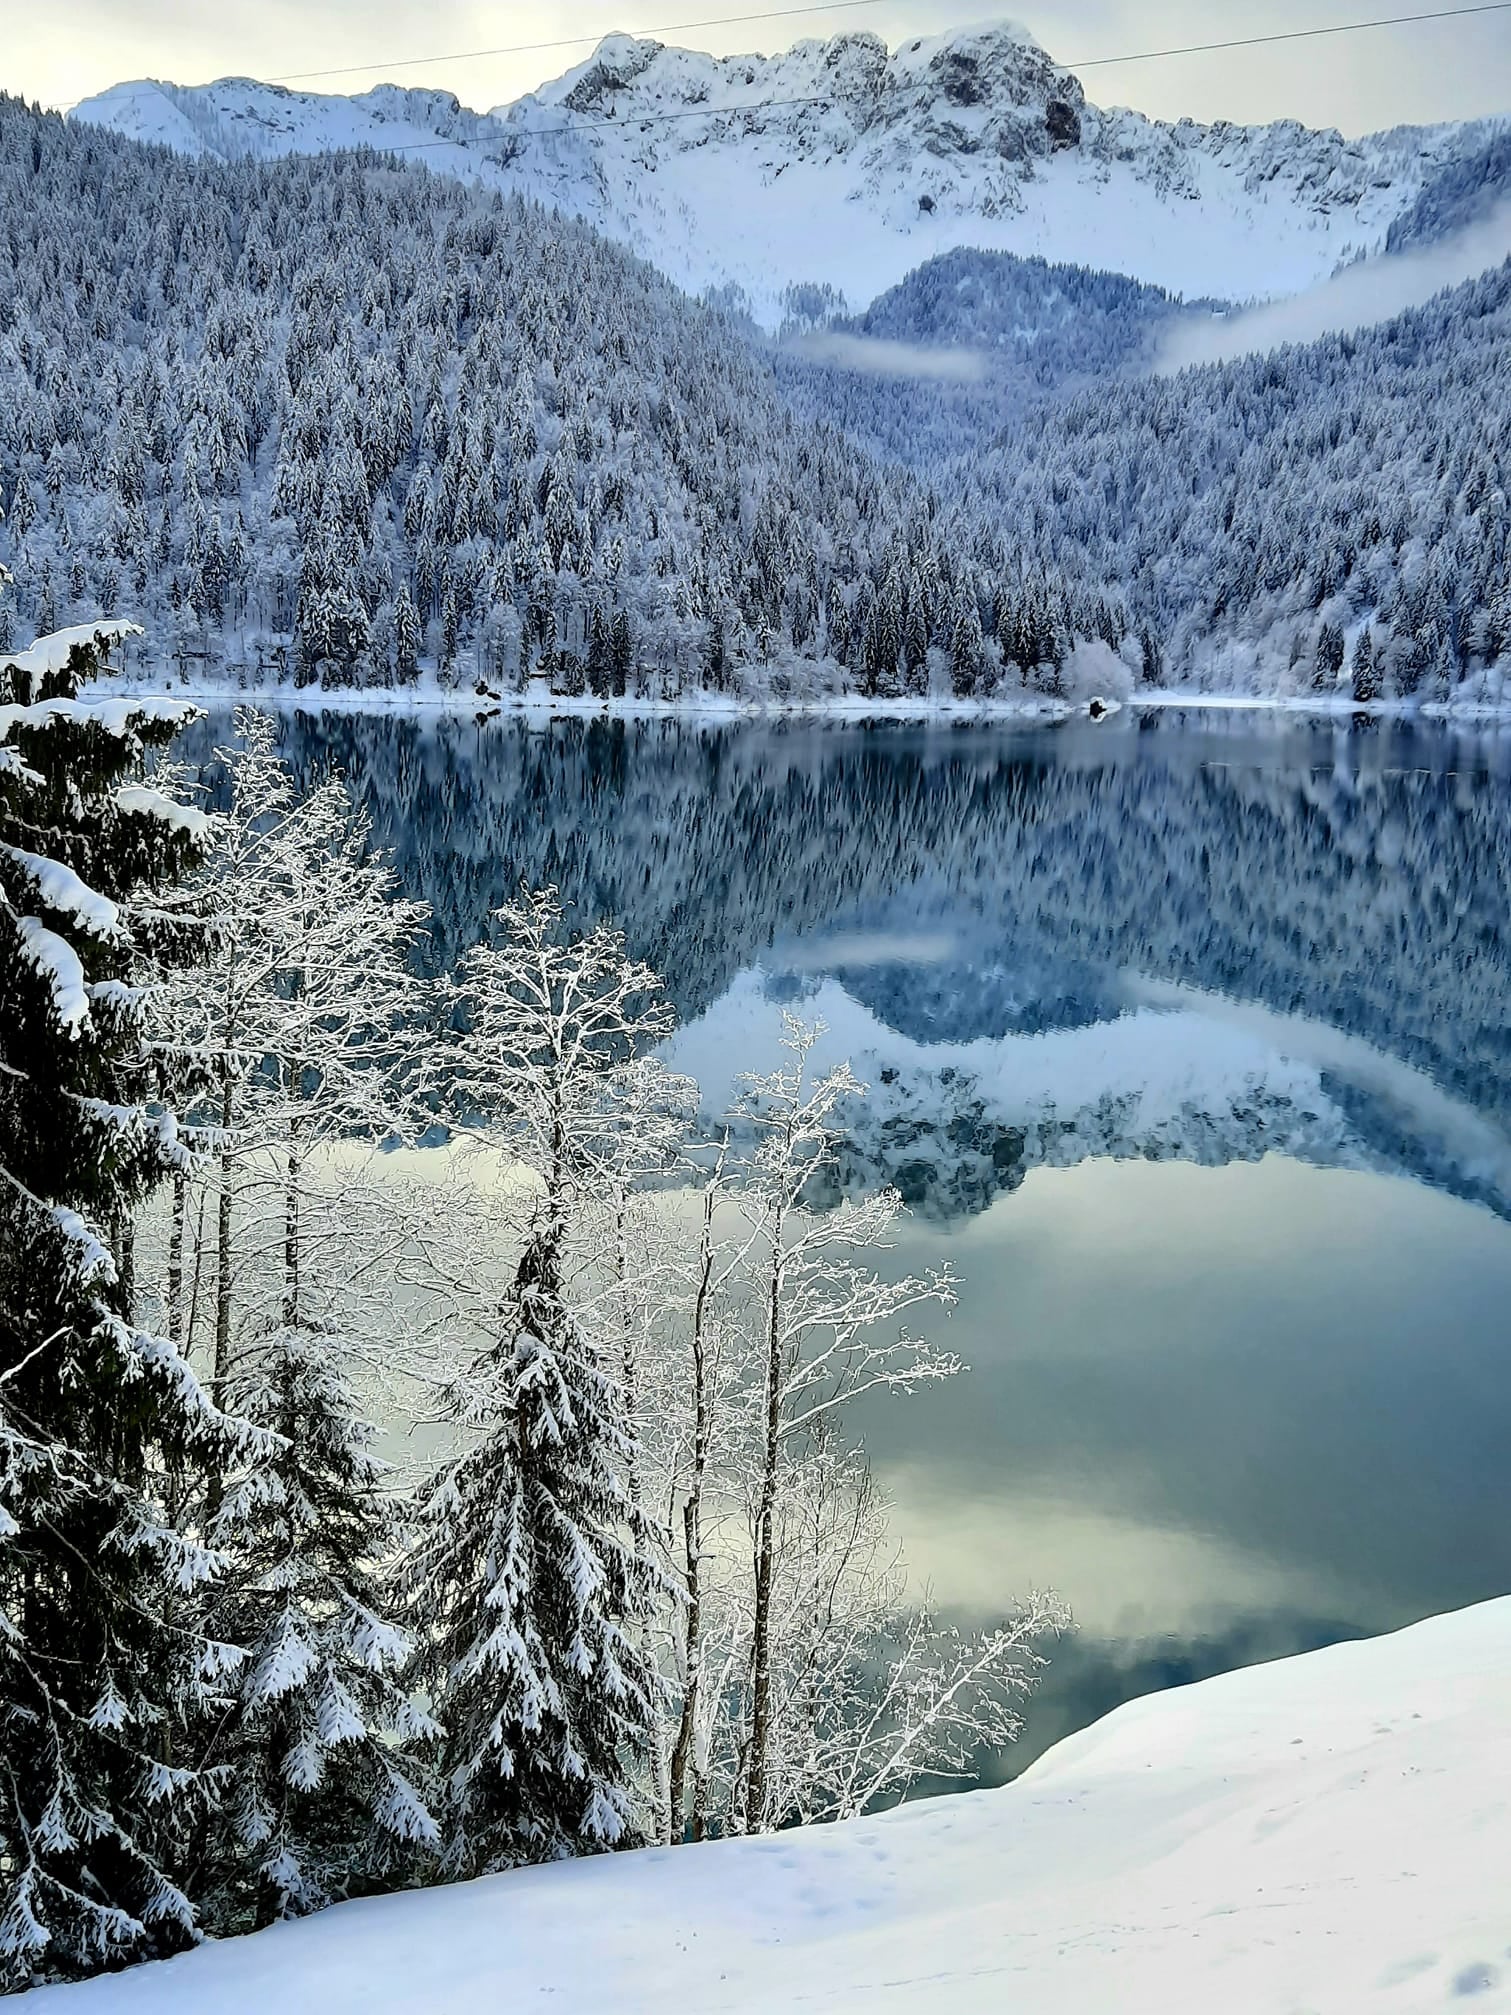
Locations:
column 692, row 1531
column 124, row 1243
column 660, row 1764
column 291, row 1212
column 216, row 1490
column 627, row 1349
column 176, row 1262
column 760, row 1634
column 191, row 1323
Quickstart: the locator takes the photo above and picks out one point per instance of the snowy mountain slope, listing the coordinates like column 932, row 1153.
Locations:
column 972, row 138
column 237, row 118
column 1463, row 192
column 1327, row 1832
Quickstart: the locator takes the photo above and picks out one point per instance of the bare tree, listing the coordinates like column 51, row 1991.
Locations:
column 806, row 1681
column 305, row 1029
column 822, row 1315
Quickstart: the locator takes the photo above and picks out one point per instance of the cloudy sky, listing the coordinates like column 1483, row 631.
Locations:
column 67, row 49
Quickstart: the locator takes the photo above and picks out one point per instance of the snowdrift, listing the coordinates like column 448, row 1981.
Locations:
column 1329, row 1833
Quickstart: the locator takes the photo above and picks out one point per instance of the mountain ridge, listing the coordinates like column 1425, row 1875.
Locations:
column 973, row 137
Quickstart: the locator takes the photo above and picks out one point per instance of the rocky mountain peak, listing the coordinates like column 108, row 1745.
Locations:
column 842, row 164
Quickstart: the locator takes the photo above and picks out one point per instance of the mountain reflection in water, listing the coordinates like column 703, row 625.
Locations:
column 1188, row 1042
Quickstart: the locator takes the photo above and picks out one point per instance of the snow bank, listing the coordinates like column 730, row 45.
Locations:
column 46, row 656
column 1327, row 1833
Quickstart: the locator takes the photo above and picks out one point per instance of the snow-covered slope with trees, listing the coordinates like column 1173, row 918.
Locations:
column 330, row 419
column 341, row 420
column 857, row 164
column 1327, row 1832
column 1266, row 514
column 1464, row 191
column 973, row 339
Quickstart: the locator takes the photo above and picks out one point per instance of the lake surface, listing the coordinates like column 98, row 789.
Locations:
column 1188, row 1039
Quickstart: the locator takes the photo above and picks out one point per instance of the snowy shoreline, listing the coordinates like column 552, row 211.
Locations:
column 854, row 711
column 1328, row 1831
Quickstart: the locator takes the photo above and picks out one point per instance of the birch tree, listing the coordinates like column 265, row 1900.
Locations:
column 822, row 1315
column 307, row 1019
column 810, row 1682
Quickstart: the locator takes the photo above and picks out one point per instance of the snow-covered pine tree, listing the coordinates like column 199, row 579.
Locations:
column 102, row 1672
column 324, row 1795
column 536, row 1567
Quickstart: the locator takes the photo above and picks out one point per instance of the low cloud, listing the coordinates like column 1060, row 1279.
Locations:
column 869, row 948
column 1372, row 291
column 884, row 358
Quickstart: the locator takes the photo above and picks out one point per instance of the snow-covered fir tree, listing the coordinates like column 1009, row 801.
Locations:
column 105, row 1676
column 323, row 1792
column 537, row 1571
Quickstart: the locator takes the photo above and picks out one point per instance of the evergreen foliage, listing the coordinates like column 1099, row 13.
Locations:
column 536, row 1568
column 104, row 1671
column 1033, row 329
column 1250, row 509
column 1464, row 190
column 324, row 1794
column 336, row 420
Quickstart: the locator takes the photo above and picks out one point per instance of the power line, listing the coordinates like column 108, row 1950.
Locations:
column 838, row 6
column 1090, row 63
column 1293, row 35
column 518, row 133
column 577, row 41
column 630, row 119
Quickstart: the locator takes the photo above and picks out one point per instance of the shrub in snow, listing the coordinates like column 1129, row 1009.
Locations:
column 1094, row 670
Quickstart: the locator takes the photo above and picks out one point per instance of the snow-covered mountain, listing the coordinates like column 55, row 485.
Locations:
column 840, row 164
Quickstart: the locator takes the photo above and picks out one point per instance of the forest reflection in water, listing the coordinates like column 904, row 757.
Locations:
column 1188, row 1045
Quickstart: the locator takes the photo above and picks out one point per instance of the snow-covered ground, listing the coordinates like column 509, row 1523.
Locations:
column 1331, row 1833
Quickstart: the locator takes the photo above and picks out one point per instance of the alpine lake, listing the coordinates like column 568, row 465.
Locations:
column 1189, row 1043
